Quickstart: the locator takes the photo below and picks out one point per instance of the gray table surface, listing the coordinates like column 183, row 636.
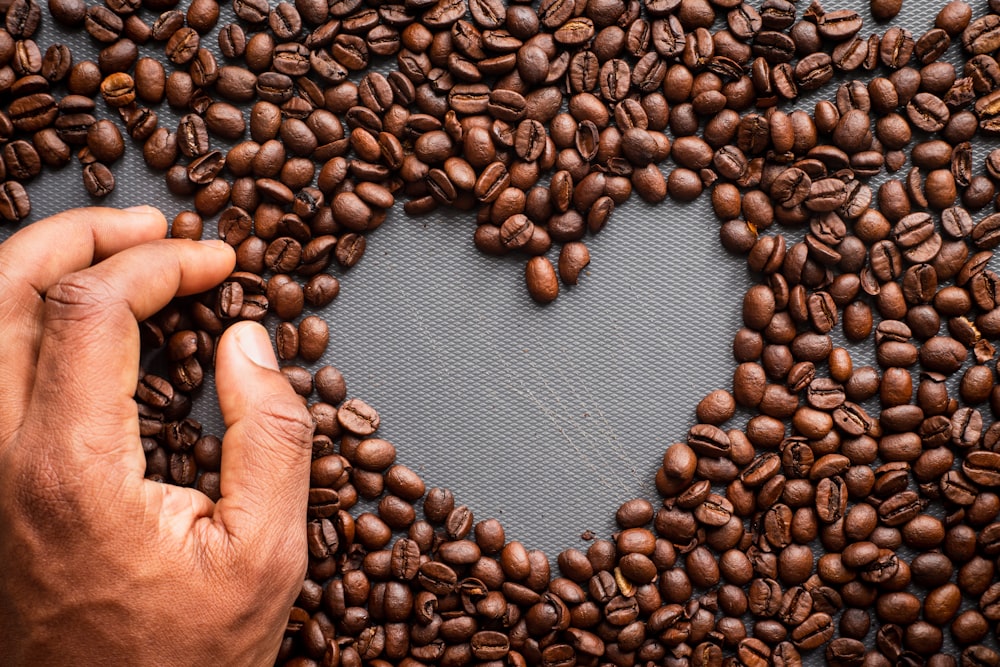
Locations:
column 544, row 417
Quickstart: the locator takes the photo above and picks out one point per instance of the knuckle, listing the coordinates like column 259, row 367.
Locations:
column 46, row 499
column 289, row 558
column 288, row 562
column 286, row 420
column 78, row 297
column 281, row 564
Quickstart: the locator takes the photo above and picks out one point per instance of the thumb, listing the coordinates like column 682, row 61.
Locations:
column 266, row 452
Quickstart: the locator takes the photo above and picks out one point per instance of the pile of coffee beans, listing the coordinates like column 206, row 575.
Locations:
column 854, row 517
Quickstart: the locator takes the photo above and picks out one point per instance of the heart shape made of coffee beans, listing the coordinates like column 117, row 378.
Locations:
column 543, row 118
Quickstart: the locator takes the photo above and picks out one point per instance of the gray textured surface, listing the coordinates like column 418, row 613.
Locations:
column 544, row 417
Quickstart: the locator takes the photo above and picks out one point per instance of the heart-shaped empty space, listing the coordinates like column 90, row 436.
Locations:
column 547, row 417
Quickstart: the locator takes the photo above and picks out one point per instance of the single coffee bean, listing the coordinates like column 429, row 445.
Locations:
column 540, row 276
column 68, row 12
column 359, row 418
column 118, row 89
column 105, row 141
column 14, row 202
column 573, row 258
column 102, row 24
column 313, row 338
column 98, row 180
column 235, row 84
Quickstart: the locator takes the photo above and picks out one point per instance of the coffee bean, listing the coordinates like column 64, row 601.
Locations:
column 980, row 35
column 118, row 89
column 51, row 149
column 573, row 258
column 235, row 84
column 473, row 116
column 33, row 112
column 98, row 180
column 56, row 63
column 541, row 280
column 313, row 338
column 105, row 141
column 102, row 24
column 358, row 417
column 68, row 12
column 14, row 202
column 188, row 225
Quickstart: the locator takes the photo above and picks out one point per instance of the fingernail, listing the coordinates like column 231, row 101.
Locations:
column 253, row 341
column 215, row 244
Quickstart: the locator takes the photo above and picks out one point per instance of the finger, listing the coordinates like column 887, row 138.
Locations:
column 89, row 355
column 73, row 240
column 36, row 257
column 264, row 479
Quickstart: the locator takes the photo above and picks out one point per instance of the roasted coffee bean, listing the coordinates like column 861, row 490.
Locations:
column 358, row 417
column 105, row 141
column 235, row 84
column 21, row 160
column 98, row 180
column 14, row 202
column 102, row 24
column 232, row 40
column 52, row 150
column 68, row 12
column 33, row 112
column 118, row 89
column 251, row 11
column 540, row 276
column 472, row 118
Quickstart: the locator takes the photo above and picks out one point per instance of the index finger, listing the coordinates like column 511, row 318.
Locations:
column 89, row 356
column 33, row 259
column 73, row 240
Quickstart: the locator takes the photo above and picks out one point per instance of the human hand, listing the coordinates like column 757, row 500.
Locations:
column 99, row 564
